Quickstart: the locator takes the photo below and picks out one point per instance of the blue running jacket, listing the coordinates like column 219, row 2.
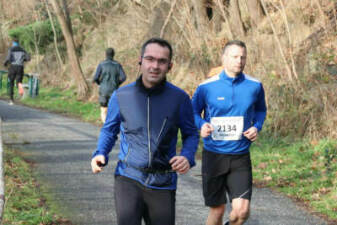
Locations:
column 148, row 123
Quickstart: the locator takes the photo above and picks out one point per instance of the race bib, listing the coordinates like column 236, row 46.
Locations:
column 227, row 128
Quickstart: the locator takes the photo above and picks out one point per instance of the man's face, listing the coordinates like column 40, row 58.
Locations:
column 234, row 60
column 155, row 64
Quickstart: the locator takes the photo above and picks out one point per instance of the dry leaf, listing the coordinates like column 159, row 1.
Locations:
column 262, row 166
column 267, row 178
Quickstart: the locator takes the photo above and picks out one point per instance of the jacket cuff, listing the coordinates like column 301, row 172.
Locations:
column 191, row 161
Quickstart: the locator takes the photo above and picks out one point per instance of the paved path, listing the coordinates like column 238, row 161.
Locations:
column 62, row 147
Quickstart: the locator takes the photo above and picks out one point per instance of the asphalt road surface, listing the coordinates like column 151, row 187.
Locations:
column 61, row 147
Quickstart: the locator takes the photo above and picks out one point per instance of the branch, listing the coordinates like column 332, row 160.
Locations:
column 283, row 12
column 167, row 18
column 277, row 41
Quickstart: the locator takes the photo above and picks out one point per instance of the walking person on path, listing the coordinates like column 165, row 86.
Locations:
column 234, row 110
column 148, row 113
column 109, row 75
column 16, row 58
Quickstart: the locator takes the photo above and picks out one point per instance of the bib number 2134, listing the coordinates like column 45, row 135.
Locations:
column 227, row 128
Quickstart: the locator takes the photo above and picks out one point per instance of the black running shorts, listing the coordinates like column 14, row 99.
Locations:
column 222, row 173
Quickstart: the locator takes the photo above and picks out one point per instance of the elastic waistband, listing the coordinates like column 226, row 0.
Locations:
column 150, row 170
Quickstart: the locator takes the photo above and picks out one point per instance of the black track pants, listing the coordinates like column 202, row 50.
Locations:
column 135, row 202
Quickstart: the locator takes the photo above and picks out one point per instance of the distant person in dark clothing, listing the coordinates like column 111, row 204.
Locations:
column 109, row 75
column 16, row 58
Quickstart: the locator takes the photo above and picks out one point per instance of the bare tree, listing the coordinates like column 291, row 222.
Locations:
column 167, row 18
column 2, row 20
column 82, row 86
column 224, row 15
column 200, row 17
column 66, row 13
column 256, row 12
column 277, row 39
column 235, row 18
column 61, row 64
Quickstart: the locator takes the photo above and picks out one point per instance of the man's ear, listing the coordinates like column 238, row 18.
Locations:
column 140, row 61
column 170, row 66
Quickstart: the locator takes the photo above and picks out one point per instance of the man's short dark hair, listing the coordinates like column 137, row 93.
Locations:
column 160, row 42
column 234, row 42
column 110, row 52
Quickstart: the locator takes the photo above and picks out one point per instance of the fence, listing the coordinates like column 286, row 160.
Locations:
column 32, row 85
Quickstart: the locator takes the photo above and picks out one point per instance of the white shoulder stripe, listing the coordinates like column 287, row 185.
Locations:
column 211, row 79
column 252, row 78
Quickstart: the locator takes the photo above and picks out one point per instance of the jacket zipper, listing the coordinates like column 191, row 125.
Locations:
column 232, row 103
column 162, row 128
column 148, row 131
column 127, row 156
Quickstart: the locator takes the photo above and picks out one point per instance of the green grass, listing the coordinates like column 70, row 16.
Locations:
column 25, row 203
column 58, row 100
column 305, row 171
column 64, row 101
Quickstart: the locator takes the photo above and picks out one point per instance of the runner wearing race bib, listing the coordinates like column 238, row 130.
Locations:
column 234, row 109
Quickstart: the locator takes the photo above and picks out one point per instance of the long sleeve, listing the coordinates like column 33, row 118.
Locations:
column 8, row 58
column 198, row 104
column 260, row 110
column 122, row 76
column 97, row 75
column 110, row 129
column 189, row 132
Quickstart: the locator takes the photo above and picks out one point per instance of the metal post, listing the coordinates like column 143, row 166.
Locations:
column 30, row 85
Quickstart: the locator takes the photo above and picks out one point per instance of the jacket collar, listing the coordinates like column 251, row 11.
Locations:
column 154, row 90
column 225, row 77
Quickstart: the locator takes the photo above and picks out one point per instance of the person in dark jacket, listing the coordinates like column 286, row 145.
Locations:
column 148, row 114
column 16, row 57
column 109, row 75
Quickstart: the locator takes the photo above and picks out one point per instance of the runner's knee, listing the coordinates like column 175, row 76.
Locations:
column 239, row 214
column 218, row 211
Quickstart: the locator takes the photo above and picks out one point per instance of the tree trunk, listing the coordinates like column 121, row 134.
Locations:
column 255, row 11
column 61, row 64
column 82, row 86
column 167, row 18
column 157, row 19
column 2, row 41
column 235, row 18
column 67, row 15
column 200, row 16
column 224, row 14
column 278, row 42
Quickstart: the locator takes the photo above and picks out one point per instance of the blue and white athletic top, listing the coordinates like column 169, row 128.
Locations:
column 231, row 105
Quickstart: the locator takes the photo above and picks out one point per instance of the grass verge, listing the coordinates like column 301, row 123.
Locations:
column 305, row 171
column 25, row 203
column 59, row 101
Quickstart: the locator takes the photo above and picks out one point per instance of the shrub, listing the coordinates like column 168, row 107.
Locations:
column 36, row 34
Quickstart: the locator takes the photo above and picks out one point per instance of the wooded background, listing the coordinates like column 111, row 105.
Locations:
column 291, row 48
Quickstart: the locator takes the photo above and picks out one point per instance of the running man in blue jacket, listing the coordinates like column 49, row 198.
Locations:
column 234, row 109
column 148, row 114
